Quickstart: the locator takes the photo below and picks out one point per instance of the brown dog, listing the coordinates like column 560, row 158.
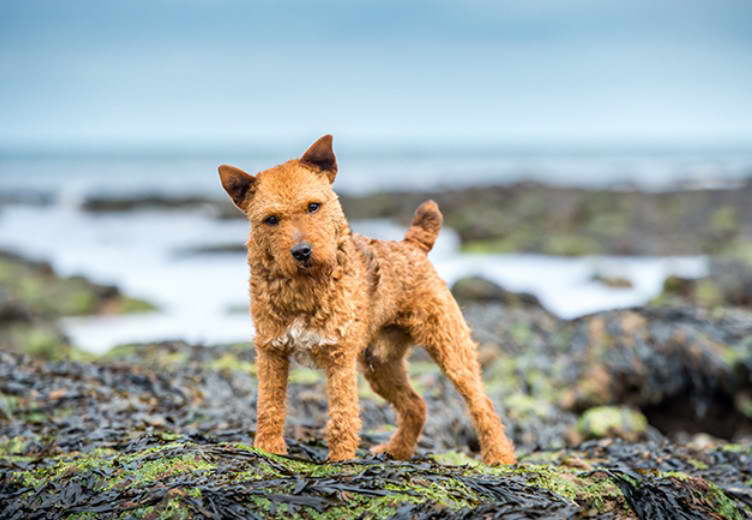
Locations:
column 322, row 293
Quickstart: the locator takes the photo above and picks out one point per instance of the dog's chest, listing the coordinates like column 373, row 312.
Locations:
column 300, row 341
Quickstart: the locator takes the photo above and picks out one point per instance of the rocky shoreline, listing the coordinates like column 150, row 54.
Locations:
column 165, row 431
column 635, row 413
column 537, row 218
column 640, row 413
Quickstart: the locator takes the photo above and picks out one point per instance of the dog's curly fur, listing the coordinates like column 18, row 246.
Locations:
column 351, row 301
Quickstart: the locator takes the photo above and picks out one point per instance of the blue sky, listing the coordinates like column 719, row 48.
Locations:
column 96, row 74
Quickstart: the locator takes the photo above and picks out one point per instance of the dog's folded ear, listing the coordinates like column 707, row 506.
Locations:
column 238, row 184
column 321, row 156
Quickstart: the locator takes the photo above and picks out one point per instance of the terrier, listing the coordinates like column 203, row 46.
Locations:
column 322, row 293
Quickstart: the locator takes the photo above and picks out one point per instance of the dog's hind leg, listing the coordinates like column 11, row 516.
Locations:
column 384, row 365
column 438, row 325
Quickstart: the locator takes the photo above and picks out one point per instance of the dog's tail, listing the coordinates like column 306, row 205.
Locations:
column 425, row 226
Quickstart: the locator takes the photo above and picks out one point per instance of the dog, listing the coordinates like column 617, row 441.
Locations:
column 323, row 294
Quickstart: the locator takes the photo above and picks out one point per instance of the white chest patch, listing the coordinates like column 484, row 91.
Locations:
column 299, row 341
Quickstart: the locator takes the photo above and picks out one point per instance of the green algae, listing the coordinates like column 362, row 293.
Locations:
column 156, row 467
column 612, row 421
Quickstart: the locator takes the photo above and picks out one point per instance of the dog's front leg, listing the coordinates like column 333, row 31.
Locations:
column 343, row 428
column 271, row 407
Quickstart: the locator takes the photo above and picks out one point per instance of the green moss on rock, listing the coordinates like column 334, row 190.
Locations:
column 612, row 421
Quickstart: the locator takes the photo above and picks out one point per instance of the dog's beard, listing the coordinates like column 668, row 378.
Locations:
column 314, row 267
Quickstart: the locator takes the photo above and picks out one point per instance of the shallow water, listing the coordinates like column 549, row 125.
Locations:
column 202, row 297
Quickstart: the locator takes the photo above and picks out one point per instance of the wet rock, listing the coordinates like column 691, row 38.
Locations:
column 39, row 291
column 732, row 278
column 577, row 221
column 729, row 283
column 509, row 218
column 33, row 297
column 167, row 430
column 688, row 370
column 211, row 249
column 39, row 339
column 119, row 204
column 682, row 367
column 481, row 290
column 12, row 310
column 614, row 282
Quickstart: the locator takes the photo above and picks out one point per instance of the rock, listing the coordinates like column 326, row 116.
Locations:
column 733, row 279
column 119, row 204
column 158, row 430
column 577, row 221
column 33, row 297
column 688, row 370
column 44, row 294
column 481, row 290
column 38, row 339
column 614, row 282
column 12, row 310
column 682, row 367
column 507, row 218
column 729, row 283
column 612, row 421
column 212, row 249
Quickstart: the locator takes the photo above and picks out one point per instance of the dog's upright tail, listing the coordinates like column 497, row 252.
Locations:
column 425, row 226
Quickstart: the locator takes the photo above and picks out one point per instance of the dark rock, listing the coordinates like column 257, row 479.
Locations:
column 167, row 429
column 733, row 279
column 682, row 367
column 615, row 282
column 573, row 221
column 481, row 290
column 12, row 310
column 107, row 204
column 728, row 283
column 211, row 249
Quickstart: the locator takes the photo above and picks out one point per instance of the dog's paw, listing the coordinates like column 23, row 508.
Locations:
column 340, row 457
column 393, row 451
column 499, row 457
column 276, row 447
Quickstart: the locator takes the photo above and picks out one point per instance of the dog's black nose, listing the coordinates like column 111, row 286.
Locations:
column 302, row 252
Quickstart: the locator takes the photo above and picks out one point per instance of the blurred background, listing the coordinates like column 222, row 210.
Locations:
column 583, row 152
column 593, row 162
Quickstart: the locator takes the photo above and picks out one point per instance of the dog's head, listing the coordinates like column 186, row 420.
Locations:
column 296, row 219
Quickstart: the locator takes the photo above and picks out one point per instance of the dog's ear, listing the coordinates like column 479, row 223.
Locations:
column 321, row 156
column 238, row 184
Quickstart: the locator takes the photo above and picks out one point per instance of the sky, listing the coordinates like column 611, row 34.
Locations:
column 195, row 74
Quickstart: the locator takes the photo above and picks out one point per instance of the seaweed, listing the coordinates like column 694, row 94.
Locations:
column 147, row 433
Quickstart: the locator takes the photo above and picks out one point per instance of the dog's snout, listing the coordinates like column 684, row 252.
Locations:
column 302, row 251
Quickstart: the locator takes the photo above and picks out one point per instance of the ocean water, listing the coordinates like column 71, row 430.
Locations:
column 73, row 177
column 203, row 298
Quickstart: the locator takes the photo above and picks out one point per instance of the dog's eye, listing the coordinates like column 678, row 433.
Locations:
column 313, row 207
column 271, row 220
